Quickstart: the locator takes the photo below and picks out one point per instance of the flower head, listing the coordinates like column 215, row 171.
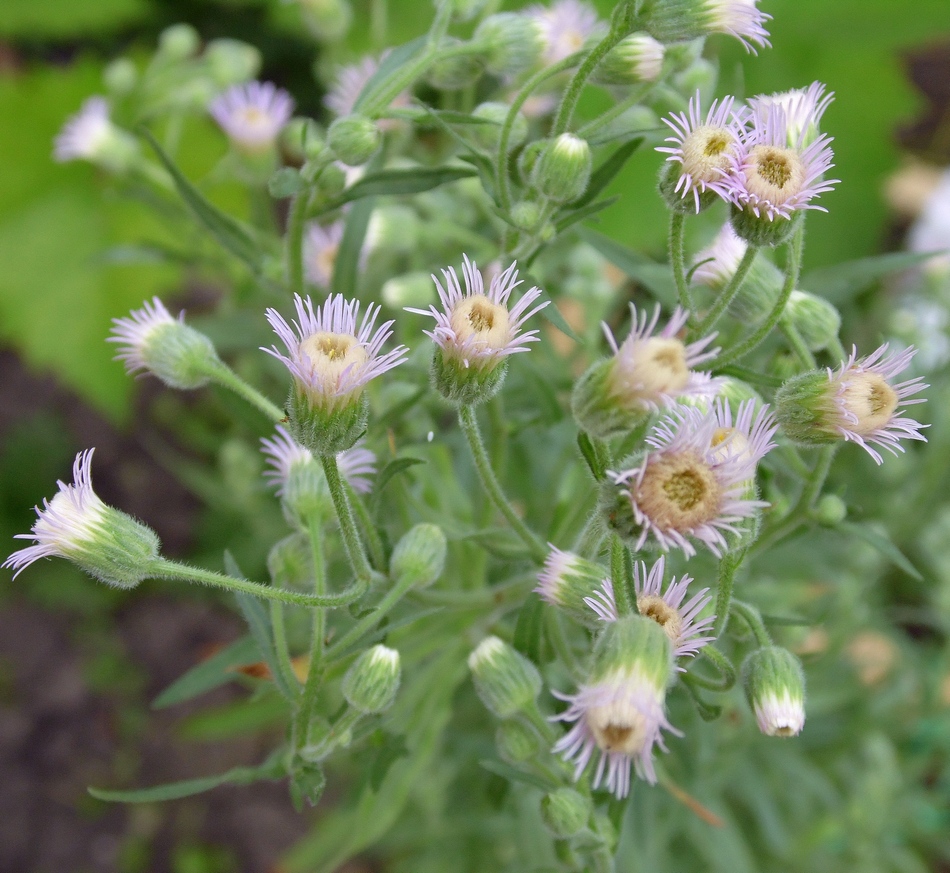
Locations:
column 620, row 710
column 678, row 620
column 567, row 581
column 565, row 26
column 253, row 114
column 738, row 18
column 320, row 247
column 695, row 483
column 285, row 456
column 90, row 135
column 716, row 264
column 349, row 84
column 702, row 146
column 774, row 685
column 78, row 526
column 803, row 108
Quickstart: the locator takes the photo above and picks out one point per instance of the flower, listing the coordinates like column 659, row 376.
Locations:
column 565, row 26
column 349, row 84
column 86, row 133
column 702, row 146
column 771, row 176
column 320, row 247
column 567, row 581
column 716, row 264
column 331, row 353
column 680, row 20
column 803, row 108
column 679, row 622
column 137, row 332
column 866, row 405
column 620, row 709
column 284, row 455
column 252, row 114
column 774, row 685
column 695, row 483
column 78, row 526
column 476, row 328
column 780, row 716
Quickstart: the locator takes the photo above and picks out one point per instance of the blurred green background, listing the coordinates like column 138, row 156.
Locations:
column 67, row 268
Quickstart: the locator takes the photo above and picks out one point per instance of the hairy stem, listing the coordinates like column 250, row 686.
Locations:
column 678, row 259
column 227, row 378
column 341, row 503
column 728, row 293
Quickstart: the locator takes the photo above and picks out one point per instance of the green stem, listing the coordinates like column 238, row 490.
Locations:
column 728, row 293
column 791, row 280
column 160, row 568
column 727, row 672
column 707, row 711
column 308, row 698
column 490, row 483
column 344, row 514
column 280, row 644
column 678, row 259
column 727, row 574
column 440, row 24
column 373, row 540
column 296, row 222
column 227, row 378
column 562, row 645
column 615, row 111
column 501, row 159
column 368, row 622
column 343, row 725
column 619, row 577
column 795, row 340
column 753, row 618
column 837, row 350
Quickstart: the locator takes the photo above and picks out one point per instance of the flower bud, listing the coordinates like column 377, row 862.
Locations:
column 506, row 681
column 462, row 385
column 231, row 61
column 419, row 556
column 353, row 139
column 831, row 510
column 567, row 580
column 816, row 320
column 517, row 742
column 120, row 77
column 486, row 136
column 563, row 170
column 513, row 43
column 465, row 10
column 290, row 563
column 529, row 158
column 178, row 42
column 525, row 215
column 636, row 58
column 805, row 409
column 327, row 20
column 670, row 174
column 565, row 812
column 455, row 72
column 596, row 407
column 775, row 688
column 303, row 140
column 371, row 683
column 672, row 21
column 410, row 289
column 759, row 230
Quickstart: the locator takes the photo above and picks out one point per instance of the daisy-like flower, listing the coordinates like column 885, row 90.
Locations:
column 858, row 402
column 285, row 456
column 679, row 621
column 320, row 247
column 78, row 526
column 620, row 710
column 567, row 581
column 703, row 146
column 331, row 352
column 697, row 481
column 252, row 114
column 679, row 20
column 349, row 84
column 803, row 109
column 769, row 178
column 151, row 340
column 565, row 26
column 90, row 135
column 716, row 264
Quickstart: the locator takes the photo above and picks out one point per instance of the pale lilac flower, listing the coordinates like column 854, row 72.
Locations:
column 349, row 84
column 718, row 262
column 695, row 483
column 930, row 232
column 67, row 525
column 738, row 18
column 867, row 406
column 652, row 371
column 320, row 247
column 85, row 134
column 476, row 327
column 703, row 145
column 565, row 26
column 331, row 352
column 252, row 114
column 135, row 333
column 679, row 621
column 622, row 715
column 780, row 716
column 770, row 178
column 803, row 109
column 356, row 465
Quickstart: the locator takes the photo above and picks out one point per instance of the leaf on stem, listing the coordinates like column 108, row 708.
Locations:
column 883, row 543
column 654, row 277
column 606, row 172
column 210, row 673
column 398, row 57
column 346, row 267
column 412, row 180
column 840, row 283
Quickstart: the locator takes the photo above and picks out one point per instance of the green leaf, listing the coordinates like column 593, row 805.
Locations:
column 657, row 278
column 393, row 469
column 512, row 775
column 258, row 620
column 597, row 464
column 573, row 217
column 527, row 639
column 230, row 233
column 397, row 58
column 499, row 541
column 346, row 267
column 552, row 314
column 393, row 748
column 215, row 671
column 411, row 180
column 882, row 542
column 606, row 172
column 841, row 282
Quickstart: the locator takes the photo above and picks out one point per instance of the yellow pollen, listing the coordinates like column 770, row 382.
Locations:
column 774, row 174
column 871, row 400
column 330, row 354
column 662, row 613
column 650, row 369
column 685, row 489
column 679, row 492
column 477, row 317
column 717, row 143
column 617, row 727
column 481, row 316
column 706, row 153
column 784, row 731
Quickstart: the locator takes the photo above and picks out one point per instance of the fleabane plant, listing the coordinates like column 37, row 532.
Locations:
column 564, row 560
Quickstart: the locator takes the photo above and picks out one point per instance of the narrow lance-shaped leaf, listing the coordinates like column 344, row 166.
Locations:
column 210, row 673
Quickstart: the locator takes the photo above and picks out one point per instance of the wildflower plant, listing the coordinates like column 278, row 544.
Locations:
column 568, row 596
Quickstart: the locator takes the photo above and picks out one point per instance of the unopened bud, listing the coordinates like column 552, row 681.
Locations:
column 525, row 215
column 672, row 192
column 816, row 320
column 290, row 562
column 506, row 681
column 563, row 170
column 529, row 158
column 327, row 20
column 805, row 409
column 231, row 61
column 410, row 289
column 302, row 138
column 636, row 58
column 831, row 510
column 120, row 77
column 565, row 812
column 567, row 580
column 419, row 556
column 371, row 683
column 775, row 688
column 178, row 42
column 759, row 230
column 456, row 71
column 517, row 742
column 353, row 139
column 513, row 43
column 486, row 136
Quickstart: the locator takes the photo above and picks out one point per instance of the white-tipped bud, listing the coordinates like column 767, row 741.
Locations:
column 353, row 139
column 419, row 556
column 775, row 688
column 231, row 61
column 567, row 580
column 513, row 43
column 816, row 320
column 178, row 42
column 456, row 71
column 506, row 681
column 371, row 683
column 637, row 58
column 517, row 742
column 565, row 812
column 563, row 170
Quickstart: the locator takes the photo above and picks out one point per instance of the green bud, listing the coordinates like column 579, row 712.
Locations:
column 506, row 681
column 513, row 43
column 120, row 77
column 529, row 158
column 419, row 556
column 759, row 230
column 327, row 20
column 517, row 742
column 119, row 552
column 179, row 355
column 179, row 42
column 410, row 289
column 816, row 320
column 805, row 409
column 598, row 409
column 371, row 683
column 302, row 139
column 231, row 61
column 563, row 170
column 353, row 139
column 325, row 430
column 631, row 644
column 831, row 510
column 332, row 181
column 565, row 812
column 566, row 580
column 735, row 391
column 455, row 72
column 774, row 684
column 486, row 136
column 290, row 563
column 466, row 386
column 636, row 58
column 285, row 182
column 670, row 172
column 393, row 227
column 526, row 215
